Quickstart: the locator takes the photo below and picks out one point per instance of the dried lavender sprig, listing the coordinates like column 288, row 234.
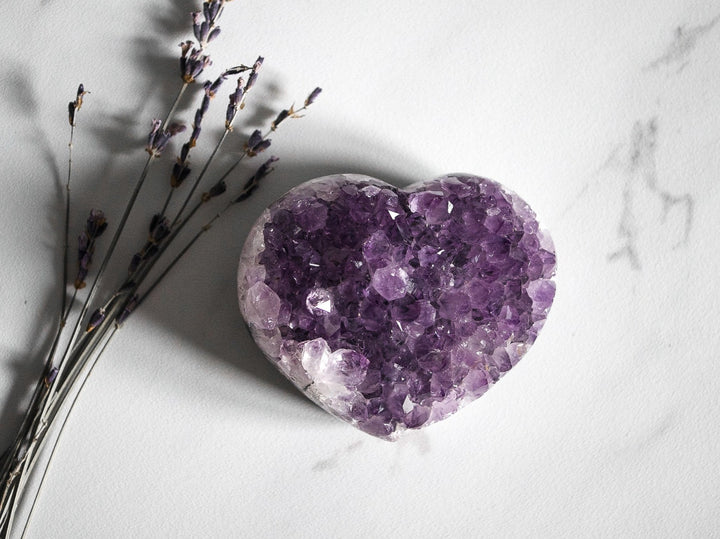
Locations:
column 292, row 113
column 206, row 31
column 43, row 385
column 73, row 107
column 255, row 143
column 237, row 101
column 181, row 170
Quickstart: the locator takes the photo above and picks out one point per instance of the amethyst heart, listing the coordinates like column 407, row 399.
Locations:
column 392, row 307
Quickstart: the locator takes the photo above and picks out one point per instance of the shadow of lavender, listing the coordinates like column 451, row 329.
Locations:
column 25, row 368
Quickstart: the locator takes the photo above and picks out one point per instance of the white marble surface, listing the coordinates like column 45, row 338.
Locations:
column 604, row 116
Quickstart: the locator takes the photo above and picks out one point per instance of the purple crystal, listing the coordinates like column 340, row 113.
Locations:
column 392, row 308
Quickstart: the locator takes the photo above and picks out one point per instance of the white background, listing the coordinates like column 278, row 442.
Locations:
column 603, row 116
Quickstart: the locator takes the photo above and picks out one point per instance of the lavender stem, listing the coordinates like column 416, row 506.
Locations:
column 167, row 201
column 61, row 429
column 67, row 228
column 174, row 106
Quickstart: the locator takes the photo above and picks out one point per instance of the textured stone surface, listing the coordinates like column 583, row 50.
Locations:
column 392, row 308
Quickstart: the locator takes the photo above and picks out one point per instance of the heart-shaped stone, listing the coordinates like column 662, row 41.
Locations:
column 391, row 308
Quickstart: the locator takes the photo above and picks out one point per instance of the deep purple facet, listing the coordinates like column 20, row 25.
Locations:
column 391, row 308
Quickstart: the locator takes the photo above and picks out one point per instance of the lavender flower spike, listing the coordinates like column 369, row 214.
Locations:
column 216, row 190
column 312, row 97
column 96, row 319
column 158, row 138
column 252, row 184
column 235, row 102
column 127, row 311
column 74, row 106
column 256, row 144
column 94, row 227
column 192, row 62
column 254, row 73
column 280, row 118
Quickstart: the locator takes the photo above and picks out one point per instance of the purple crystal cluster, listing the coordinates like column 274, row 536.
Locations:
column 393, row 307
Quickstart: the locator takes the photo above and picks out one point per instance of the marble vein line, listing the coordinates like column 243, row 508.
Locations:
column 685, row 40
column 641, row 179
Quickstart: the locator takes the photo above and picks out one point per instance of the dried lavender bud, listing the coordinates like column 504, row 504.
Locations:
column 80, row 94
column 266, row 168
column 280, row 117
column 212, row 10
column 83, row 242
column 96, row 319
column 256, row 144
column 213, row 88
column 254, row 139
column 192, row 62
column 237, row 70
column 195, row 134
column 179, row 173
column 51, row 376
column 254, row 73
column 185, row 151
column 235, row 100
column 312, row 97
column 252, row 183
column 159, row 138
column 84, row 259
column 96, row 224
column 206, row 11
column 127, row 310
column 94, row 227
column 205, row 105
column 216, row 190
column 264, row 145
column 213, row 35
column 74, row 106
column 159, row 228
column 71, row 112
column 134, row 263
column 196, row 24
column 156, row 124
column 198, row 118
column 154, row 221
column 150, row 251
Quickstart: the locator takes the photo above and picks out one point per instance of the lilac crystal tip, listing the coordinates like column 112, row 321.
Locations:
column 391, row 308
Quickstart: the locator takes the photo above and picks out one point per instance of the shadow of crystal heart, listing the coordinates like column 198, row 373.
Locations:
column 391, row 308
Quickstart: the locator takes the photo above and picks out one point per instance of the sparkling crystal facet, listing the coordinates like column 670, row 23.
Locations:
column 393, row 307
